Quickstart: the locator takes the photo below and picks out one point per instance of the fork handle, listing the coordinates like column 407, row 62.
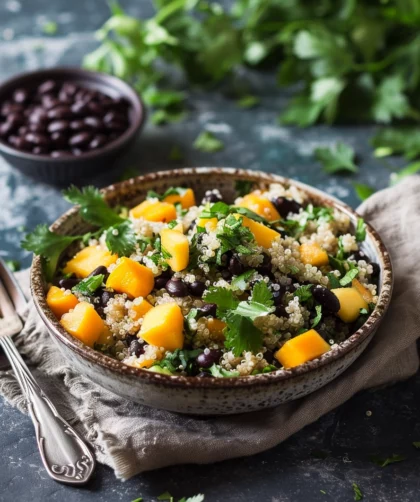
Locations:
column 65, row 455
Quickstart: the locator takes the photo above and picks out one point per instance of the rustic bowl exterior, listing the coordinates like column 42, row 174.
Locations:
column 222, row 396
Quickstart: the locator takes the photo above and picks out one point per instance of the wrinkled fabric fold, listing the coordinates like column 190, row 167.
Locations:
column 131, row 438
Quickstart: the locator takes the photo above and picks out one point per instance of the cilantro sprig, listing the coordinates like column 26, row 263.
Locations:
column 89, row 285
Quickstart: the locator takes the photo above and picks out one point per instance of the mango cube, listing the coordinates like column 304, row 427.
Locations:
column 154, row 211
column 177, row 245
column 263, row 235
column 187, row 199
column 351, row 301
column 302, row 348
column 60, row 302
column 139, row 310
column 207, row 223
column 89, row 258
column 83, row 323
column 260, row 205
column 163, row 326
column 131, row 278
column 106, row 338
column 311, row 253
column 216, row 327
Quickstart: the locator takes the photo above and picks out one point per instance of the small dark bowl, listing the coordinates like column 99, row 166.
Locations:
column 64, row 170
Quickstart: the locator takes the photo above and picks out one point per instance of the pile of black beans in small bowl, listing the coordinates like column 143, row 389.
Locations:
column 61, row 119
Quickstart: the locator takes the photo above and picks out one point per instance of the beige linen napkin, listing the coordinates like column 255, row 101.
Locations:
column 131, row 438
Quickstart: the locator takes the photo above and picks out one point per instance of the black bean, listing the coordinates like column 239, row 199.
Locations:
column 6, row 129
column 95, row 109
column 285, row 206
column 69, row 88
column 265, row 267
column 204, row 374
column 93, row 123
column 211, row 197
column 12, row 140
column 235, row 266
column 21, row 144
column 80, row 139
column 38, row 116
column 207, row 310
column 114, row 116
column 49, row 102
column 20, row 96
column 176, row 287
column 197, row 288
column 80, row 108
column 59, row 139
column 78, row 125
column 23, row 130
column 98, row 141
column 161, row 280
column 9, row 108
column 280, row 311
column 39, row 150
column 326, row 298
column 47, row 87
column 37, row 139
column 105, row 297
column 60, row 153
column 136, row 348
column 130, row 338
column 98, row 271
column 68, row 282
column 60, row 112
column 269, row 356
column 226, row 274
column 116, row 125
column 58, row 126
column 359, row 255
column 278, row 295
column 376, row 269
column 64, row 98
column 39, row 128
column 76, row 151
column 15, row 120
column 205, row 360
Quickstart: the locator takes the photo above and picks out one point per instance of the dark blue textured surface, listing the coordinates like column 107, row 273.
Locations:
column 253, row 139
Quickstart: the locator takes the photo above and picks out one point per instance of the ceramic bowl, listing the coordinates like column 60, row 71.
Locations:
column 211, row 396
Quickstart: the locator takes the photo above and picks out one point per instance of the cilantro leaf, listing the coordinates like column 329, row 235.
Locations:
column 304, row 293
column 207, row 142
column 89, row 285
column 49, row 245
column 390, row 460
column 360, row 233
column 357, row 492
column 241, row 281
column 363, row 191
column 121, row 239
column 222, row 297
column 93, row 207
column 341, row 158
column 241, row 335
column 334, row 282
column 261, row 294
column 317, row 319
column 252, row 310
column 217, row 210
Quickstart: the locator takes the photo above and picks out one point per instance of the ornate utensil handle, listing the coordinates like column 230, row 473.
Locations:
column 64, row 453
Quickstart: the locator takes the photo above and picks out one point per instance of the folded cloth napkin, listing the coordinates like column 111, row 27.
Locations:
column 131, row 438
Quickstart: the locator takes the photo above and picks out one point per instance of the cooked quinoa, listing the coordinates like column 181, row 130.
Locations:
column 222, row 288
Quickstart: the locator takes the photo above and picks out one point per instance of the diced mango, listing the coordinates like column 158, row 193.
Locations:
column 179, row 227
column 177, row 245
column 351, row 301
column 311, row 253
column 138, row 310
column 216, row 327
column 146, row 363
column 131, row 278
column 263, row 235
column 207, row 223
column 187, row 200
column 83, row 323
column 366, row 294
column 60, row 302
column 163, row 327
column 260, row 205
column 89, row 258
column 302, row 348
column 154, row 211
column 106, row 338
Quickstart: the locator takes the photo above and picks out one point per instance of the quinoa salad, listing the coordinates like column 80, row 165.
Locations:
column 210, row 288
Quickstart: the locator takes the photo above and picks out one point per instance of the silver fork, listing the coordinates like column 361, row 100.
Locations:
column 65, row 455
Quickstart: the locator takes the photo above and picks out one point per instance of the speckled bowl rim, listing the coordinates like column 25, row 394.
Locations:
column 94, row 78
column 150, row 377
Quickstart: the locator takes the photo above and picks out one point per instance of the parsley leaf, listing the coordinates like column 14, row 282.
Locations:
column 89, row 285
column 49, row 245
column 121, row 239
column 358, row 495
column 390, row 460
column 93, row 207
column 207, row 142
column 363, row 191
column 360, row 233
column 341, row 158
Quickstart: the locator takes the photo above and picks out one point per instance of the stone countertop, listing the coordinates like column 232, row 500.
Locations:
column 327, row 456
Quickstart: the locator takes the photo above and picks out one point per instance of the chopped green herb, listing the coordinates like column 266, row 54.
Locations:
column 323, row 492
column 207, row 142
column 218, row 371
column 88, row 286
column 317, row 319
column 172, row 224
column 334, row 282
column 166, row 496
column 339, row 159
column 349, row 276
column 360, row 233
column 304, row 293
column 357, row 492
column 140, row 499
column 121, row 239
column 13, row 265
column 151, row 194
column 241, row 281
column 223, row 298
column 363, row 191
column 390, row 460
column 241, row 335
